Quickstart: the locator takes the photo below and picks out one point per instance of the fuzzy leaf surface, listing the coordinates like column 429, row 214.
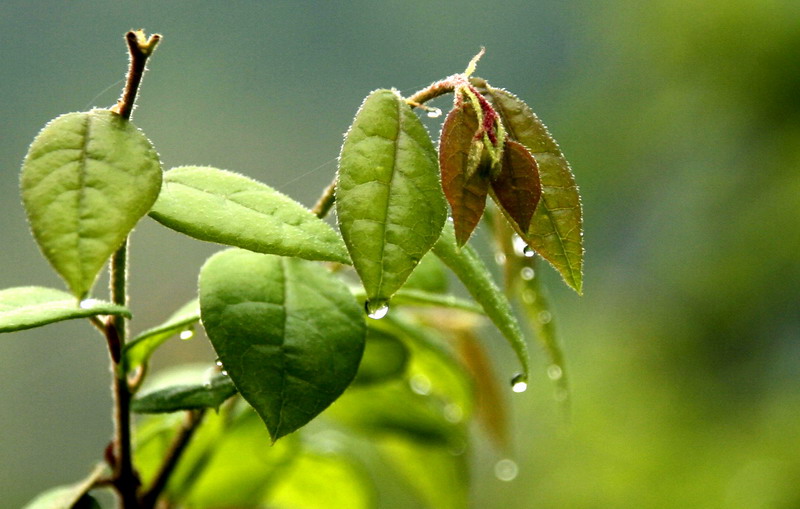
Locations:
column 25, row 307
column 228, row 208
column 389, row 201
column 517, row 188
column 466, row 193
column 86, row 181
column 556, row 228
column 473, row 273
column 289, row 334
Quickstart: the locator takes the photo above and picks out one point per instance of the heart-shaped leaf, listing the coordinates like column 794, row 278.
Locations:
column 86, row 181
column 556, row 228
column 516, row 188
column 389, row 201
column 289, row 333
column 224, row 207
column 26, row 307
column 465, row 190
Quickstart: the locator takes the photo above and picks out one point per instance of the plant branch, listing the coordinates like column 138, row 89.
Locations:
column 124, row 477
column 179, row 444
column 325, row 202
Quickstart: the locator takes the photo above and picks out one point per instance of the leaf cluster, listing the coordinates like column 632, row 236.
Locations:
column 295, row 328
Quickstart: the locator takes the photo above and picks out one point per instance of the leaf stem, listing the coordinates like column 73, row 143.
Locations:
column 140, row 50
column 325, row 201
column 179, row 444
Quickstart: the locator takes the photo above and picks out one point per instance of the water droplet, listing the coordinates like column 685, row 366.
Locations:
column 186, row 334
column 224, row 373
column 376, row 310
column 88, row 303
column 420, row 384
column 527, row 273
column 434, row 113
column 544, row 317
column 519, row 383
column 528, row 252
column 506, row 470
column 554, row 371
column 500, row 259
column 218, row 363
column 453, row 413
column 519, row 245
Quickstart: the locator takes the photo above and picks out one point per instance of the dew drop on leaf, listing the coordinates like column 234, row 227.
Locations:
column 554, row 372
column 527, row 273
column 528, row 252
column 506, row 470
column 500, row 259
column 519, row 383
column 434, row 113
column 519, row 245
column 88, row 303
column 376, row 310
column 186, row 334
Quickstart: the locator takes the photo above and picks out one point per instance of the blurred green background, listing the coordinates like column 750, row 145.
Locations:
column 681, row 121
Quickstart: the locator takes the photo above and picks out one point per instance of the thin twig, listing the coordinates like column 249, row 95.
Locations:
column 179, row 444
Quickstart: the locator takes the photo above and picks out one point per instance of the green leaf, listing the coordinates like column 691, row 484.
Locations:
column 26, row 307
column 385, row 357
column 429, row 276
column 209, row 394
column 465, row 190
column 227, row 208
column 289, row 333
column 389, row 201
column 139, row 350
column 473, row 273
column 437, row 473
column 332, row 481
column 74, row 496
column 556, row 230
column 517, row 189
column 87, row 180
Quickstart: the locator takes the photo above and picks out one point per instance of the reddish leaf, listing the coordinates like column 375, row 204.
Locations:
column 466, row 194
column 517, row 188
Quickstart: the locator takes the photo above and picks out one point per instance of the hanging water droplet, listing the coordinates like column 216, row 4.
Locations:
column 528, row 252
column 544, row 317
column 224, row 373
column 218, row 363
column 376, row 310
column 500, row 259
column 554, row 372
column 186, row 334
column 519, row 383
column 88, row 303
column 506, row 470
column 519, row 245
column 527, row 273
column 420, row 384
column 434, row 113
column 453, row 413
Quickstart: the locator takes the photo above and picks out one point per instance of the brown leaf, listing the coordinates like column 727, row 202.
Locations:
column 465, row 192
column 517, row 188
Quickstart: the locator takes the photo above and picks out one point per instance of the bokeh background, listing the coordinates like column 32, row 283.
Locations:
column 681, row 121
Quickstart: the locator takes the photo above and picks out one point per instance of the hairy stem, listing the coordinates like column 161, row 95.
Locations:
column 328, row 197
column 124, row 478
